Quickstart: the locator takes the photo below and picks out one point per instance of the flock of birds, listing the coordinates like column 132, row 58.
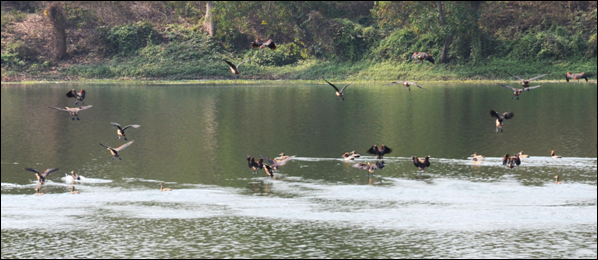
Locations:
column 276, row 163
column 74, row 112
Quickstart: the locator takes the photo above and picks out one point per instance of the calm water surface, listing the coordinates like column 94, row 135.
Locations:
column 195, row 138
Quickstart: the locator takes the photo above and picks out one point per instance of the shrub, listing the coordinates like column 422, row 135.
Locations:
column 127, row 39
column 285, row 54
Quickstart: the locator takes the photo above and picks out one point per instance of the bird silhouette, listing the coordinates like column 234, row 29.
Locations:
column 525, row 82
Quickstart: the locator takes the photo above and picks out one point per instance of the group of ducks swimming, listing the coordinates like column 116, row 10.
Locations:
column 74, row 112
column 379, row 152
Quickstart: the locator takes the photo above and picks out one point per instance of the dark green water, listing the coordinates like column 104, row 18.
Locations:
column 195, row 140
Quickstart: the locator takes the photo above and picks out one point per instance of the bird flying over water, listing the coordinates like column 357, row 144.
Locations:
column 41, row 177
column 518, row 91
column 421, row 164
column 511, row 161
column 500, row 119
column 407, row 84
column 576, row 76
column 120, row 131
column 74, row 111
column 525, row 82
column 339, row 93
column 78, row 96
column 115, row 151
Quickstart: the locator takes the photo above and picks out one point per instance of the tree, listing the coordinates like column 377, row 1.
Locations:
column 209, row 22
column 56, row 18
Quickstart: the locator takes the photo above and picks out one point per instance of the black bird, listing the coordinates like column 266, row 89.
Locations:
column 114, row 151
column 379, row 152
column 500, row 119
column 339, row 93
column 234, row 68
column 120, row 131
column 41, row 177
column 511, row 161
column 78, row 96
column 525, row 82
column 421, row 164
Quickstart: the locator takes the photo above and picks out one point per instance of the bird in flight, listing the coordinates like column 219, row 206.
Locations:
column 525, row 82
column 120, row 131
column 41, row 177
column 234, row 68
column 339, row 93
column 518, row 91
column 74, row 111
column 406, row 84
column 500, row 119
column 114, row 151
column 78, row 96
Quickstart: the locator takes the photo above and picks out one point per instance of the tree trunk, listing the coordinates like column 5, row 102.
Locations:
column 209, row 23
column 55, row 16
column 448, row 39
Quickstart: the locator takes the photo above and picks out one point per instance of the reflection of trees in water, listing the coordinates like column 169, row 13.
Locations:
column 262, row 188
column 210, row 143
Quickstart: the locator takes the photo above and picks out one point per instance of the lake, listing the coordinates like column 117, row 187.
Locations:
column 195, row 140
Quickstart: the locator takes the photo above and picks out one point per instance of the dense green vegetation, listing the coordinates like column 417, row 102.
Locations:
column 361, row 40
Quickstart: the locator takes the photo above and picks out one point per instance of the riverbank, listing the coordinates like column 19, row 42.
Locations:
column 217, row 72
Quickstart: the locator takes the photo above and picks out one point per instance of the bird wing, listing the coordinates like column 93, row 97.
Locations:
column 118, row 149
column 385, row 149
column 416, row 161
column 131, row 126
column 117, row 125
column 60, row 108
column 429, row 58
column 508, row 115
column 509, row 87
column 396, row 82
column 515, row 76
column 494, row 114
column 537, row 77
column 242, row 63
column 71, row 94
column 505, row 159
column 379, row 165
column 230, row 64
column 83, row 108
column 343, row 89
column 268, row 159
column 48, row 171
column 332, row 85
column 373, row 150
column 427, row 161
column 415, row 84
column 285, row 161
column 32, row 170
column 106, row 146
column 82, row 93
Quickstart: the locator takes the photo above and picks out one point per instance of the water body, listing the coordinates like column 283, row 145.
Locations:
column 195, row 139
